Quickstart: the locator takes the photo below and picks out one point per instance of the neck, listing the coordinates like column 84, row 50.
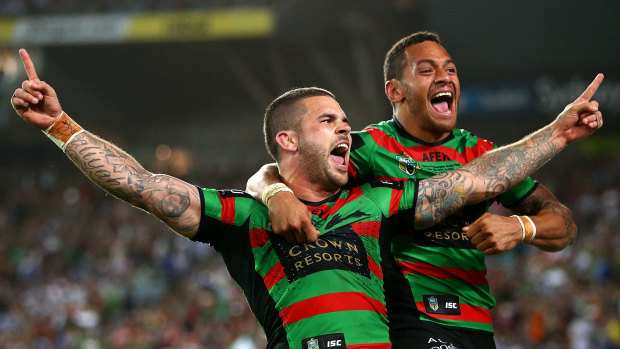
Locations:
column 306, row 188
column 406, row 119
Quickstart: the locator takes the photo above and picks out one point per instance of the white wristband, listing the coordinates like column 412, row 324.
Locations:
column 272, row 190
column 522, row 226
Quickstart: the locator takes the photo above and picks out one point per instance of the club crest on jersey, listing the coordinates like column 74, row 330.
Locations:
column 432, row 302
column 407, row 164
column 313, row 343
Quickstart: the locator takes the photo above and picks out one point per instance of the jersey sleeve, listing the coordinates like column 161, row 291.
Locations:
column 394, row 197
column 224, row 212
column 363, row 147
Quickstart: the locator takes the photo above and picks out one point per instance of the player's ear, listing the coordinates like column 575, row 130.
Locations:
column 394, row 91
column 288, row 140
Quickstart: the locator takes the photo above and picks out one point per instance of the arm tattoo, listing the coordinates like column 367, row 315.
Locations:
column 482, row 178
column 121, row 175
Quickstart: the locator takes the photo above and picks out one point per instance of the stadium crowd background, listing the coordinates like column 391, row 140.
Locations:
column 79, row 269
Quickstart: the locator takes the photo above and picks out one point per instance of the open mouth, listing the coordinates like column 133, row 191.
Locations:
column 442, row 102
column 339, row 154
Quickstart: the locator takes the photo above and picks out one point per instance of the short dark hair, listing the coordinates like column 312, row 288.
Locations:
column 284, row 114
column 394, row 59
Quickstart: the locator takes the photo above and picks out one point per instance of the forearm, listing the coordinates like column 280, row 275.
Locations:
column 499, row 170
column 485, row 177
column 267, row 175
column 168, row 198
column 555, row 227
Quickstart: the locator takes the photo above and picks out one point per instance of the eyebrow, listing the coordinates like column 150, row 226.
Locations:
column 332, row 116
column 433, row 62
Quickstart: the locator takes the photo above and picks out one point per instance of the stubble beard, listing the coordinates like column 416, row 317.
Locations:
column 316, row 164
column 426, row 120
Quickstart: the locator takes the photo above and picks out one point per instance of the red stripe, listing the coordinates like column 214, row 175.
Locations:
column 354, row 193
column 324, row 211
column 228, row 209
column 332, row 302
column 274, row 275
column 383, row 140
column 469, row 313
column 472, row 277
column 395, row 201
column 369, row 228
column 258, row 237
column 417, row 152
column 388, row 178
column 353, row 172
column 375, row 268
column 370, row 346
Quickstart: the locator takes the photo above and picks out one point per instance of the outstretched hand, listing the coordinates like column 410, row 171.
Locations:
column 36, row 101
column 581, row 118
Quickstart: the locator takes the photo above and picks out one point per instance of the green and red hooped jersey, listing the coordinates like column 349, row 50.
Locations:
column 436, row 275
column 323, row 295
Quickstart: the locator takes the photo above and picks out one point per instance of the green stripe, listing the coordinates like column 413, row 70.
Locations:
column 477, row 295
column 360, row 326
column 331, row 281
column 457, row 323
column 445, row 257
column 264, row 258
column 245, row 207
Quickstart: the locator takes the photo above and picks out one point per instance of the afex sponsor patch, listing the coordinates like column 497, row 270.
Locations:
column 340, row 249
column 442, row 304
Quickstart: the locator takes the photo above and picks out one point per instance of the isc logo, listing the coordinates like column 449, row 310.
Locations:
column 451, row 305
column 334, row 343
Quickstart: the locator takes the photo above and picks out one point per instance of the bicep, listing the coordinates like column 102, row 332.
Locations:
column 175, row 202
column 538, row 200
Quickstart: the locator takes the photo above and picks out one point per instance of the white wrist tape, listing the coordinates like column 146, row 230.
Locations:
column 272, row 190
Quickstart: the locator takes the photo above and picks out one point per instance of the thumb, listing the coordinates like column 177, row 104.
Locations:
column 311, row 233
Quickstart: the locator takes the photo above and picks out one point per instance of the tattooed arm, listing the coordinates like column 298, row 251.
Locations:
column 175, row 202
column 497, row 171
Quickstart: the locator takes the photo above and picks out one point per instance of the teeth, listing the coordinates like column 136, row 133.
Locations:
column 441, row 94
column 345, row 146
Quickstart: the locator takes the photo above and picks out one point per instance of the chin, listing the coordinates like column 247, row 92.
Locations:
column 340, row 179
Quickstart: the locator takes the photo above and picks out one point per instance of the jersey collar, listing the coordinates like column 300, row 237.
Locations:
column 402, row 132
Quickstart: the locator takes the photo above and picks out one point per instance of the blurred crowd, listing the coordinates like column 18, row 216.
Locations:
column 80, row 269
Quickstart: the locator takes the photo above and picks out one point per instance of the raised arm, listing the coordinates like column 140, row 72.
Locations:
column 498, row 170
column 172, row 200
column 289, row 217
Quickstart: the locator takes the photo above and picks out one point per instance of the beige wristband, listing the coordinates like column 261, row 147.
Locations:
column 63, row 131
column 272, row 190
column 532, row 231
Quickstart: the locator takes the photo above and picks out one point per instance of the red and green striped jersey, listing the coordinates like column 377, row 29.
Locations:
column 327, row 294
column 439, row 276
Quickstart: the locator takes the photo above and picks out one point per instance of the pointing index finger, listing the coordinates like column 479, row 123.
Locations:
column 589, row 92
column 28, row 65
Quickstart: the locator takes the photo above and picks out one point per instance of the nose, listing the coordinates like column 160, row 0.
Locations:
column 344, row 128
column 442, row 76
